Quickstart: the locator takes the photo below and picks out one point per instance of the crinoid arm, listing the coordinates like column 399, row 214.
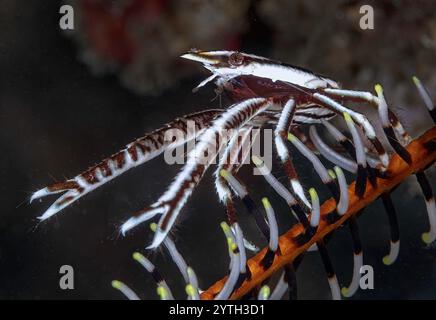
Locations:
column 136, row 153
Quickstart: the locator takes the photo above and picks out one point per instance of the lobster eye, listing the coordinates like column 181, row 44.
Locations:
column 236, row 59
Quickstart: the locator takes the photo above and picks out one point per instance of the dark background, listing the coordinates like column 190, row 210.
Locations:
column 58, row 116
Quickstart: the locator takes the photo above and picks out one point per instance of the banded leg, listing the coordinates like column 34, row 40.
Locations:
column 228, row 160
column 387, row 127
column 280, row 134
column 136, row 153
column 362, row 121
column 172, row 201
column 373, row 164
column 363, row 96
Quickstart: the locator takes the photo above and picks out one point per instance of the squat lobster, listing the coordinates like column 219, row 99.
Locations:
column 263, row 92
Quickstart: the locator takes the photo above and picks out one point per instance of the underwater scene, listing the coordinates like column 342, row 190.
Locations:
column 217, row 150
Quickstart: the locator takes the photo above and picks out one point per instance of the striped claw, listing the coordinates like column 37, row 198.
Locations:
column 134, row 154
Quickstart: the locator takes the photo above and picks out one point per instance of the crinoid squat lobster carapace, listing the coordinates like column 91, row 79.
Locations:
column 294, row 101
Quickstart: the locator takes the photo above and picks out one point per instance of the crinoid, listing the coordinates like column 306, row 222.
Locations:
column 267, row 92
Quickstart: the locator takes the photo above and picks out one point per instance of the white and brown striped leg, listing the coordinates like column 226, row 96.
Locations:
column 394, row 131
column 172, row 201
column 362, row 121
column 363, row 96
column 135, row 153
column 280, row 134
column 229, row 160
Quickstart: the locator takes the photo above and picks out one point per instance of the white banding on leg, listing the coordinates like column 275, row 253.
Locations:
column 182, row 187
column 62, row 202
column 362, row 121
column 223, row 191
column 280, row 132
column 135, row 154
